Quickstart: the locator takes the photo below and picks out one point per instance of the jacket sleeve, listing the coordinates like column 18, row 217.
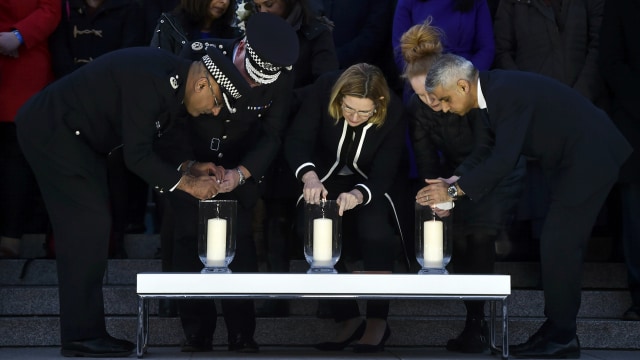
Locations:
column 510, row 128
column 139, row 133
column 40, row 24
column 482, row 145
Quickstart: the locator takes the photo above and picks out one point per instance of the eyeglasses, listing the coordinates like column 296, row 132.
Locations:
column 215, row 99
column 349, row 111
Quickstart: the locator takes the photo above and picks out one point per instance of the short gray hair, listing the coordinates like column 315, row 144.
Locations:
column 447, row 69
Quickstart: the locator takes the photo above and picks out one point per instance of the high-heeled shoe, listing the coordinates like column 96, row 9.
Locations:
column 367, row 348
column 340, row 345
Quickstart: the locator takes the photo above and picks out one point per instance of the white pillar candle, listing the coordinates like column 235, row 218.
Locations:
column 322, row 239
column 433, row 243
column 216, row 241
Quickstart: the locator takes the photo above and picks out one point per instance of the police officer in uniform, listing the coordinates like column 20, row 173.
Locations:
column 128, row 98
column 243, row 139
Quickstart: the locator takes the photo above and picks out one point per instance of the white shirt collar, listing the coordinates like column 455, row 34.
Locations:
column 482, row 102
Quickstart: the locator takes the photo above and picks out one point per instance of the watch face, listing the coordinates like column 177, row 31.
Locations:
column 453, row 192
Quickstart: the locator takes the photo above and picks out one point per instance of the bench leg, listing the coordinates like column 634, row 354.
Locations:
column 143, row 327
column 505, row 330
column 504, row 349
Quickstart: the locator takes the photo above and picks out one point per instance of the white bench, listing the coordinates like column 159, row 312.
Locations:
column 493, row 288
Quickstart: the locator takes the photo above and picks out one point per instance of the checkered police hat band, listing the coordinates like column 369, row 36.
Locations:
column 222, row 80
column 260, row 71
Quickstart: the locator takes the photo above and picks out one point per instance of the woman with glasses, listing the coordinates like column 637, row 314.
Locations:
column 345, row 144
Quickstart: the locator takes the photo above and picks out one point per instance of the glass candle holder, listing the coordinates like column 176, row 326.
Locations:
column 323, row 239
column 217, row 234
column 433, row 240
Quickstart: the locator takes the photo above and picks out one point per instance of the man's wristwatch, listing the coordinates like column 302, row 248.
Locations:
column 452, row 190
column 241, row 181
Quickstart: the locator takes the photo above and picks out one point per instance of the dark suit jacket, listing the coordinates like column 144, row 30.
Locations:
column 578, row 146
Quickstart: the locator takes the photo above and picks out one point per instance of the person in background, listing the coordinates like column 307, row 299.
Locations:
column 193, row 20
column 90, row 28
column 620, row 67
column 441, row 142
column 152, row 10
column 466, row 25
column 317, row 56
column 580, row 152
column 558, row 39
column 345, row 144
column 25, row 68
column 362, row 33
column 244, row 140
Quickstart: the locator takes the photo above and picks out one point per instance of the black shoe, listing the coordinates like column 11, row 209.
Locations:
column 273, row 308
column 242, row 344
column 101, row 347
column 472, row 340
column 366, row 348
column 340, row 345
column 632, row 314
column 196, row 344
column 541, row 347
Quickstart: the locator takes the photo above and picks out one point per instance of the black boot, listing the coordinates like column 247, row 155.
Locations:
column 473, row 339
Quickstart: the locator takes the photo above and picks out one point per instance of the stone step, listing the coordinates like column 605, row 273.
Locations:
column 37, row 272
column 137, row 246
column 304, row 331
column 122, row 300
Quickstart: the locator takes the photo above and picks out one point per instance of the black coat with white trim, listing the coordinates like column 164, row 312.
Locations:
column 315, row 141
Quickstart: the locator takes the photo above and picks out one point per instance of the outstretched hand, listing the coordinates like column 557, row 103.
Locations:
column 348, row 201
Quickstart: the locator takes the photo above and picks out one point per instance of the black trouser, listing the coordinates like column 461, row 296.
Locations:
column 199, row 316
column 565, row 235
column 73, row 181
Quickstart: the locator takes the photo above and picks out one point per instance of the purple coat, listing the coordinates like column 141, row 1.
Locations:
column 469, row 34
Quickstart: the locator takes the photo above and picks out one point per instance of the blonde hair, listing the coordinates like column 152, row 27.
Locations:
column 364, row 81
column 421, row 45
